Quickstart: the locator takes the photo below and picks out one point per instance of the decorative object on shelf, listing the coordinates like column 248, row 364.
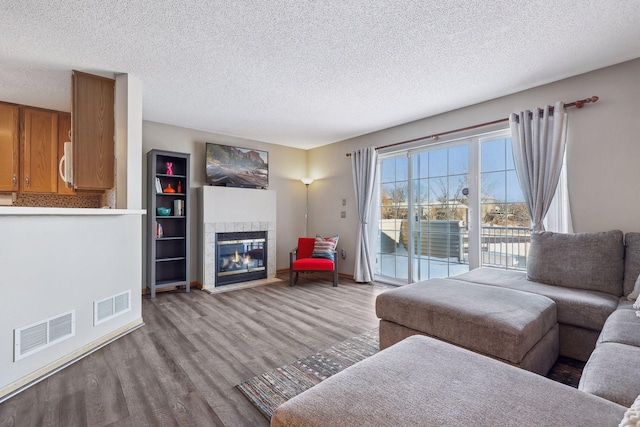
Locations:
column 169, row 168
column 159, row 231
column 178, row 207
column 158, row 185
column 179, row 186
column 169, row 189
column 163, row 211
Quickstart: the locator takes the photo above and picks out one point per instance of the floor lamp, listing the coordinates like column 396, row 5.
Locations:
column 306, row 182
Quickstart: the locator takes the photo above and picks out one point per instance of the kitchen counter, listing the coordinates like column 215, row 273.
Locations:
column 18, row 210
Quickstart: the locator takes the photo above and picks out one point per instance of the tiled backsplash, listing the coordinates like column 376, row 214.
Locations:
column 59, row 201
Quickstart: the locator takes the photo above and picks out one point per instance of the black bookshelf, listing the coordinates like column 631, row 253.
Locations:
column 168, row 235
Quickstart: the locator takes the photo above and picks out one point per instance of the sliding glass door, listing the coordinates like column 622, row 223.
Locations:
column 424, row 214
column 450, row 207
column 393, row 251
column 440, row 232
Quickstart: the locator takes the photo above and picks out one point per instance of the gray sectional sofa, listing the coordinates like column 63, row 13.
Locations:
column 581, row 281
column 588, row 276
column 583, row 273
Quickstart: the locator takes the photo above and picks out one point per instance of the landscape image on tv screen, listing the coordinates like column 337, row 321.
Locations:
column 237, row 167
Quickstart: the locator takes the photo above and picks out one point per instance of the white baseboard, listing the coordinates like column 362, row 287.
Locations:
column 35, row 377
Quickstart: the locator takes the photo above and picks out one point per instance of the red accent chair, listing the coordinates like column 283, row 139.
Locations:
column 300, row 260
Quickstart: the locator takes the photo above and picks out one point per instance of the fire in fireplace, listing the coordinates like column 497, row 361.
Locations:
column 241, row 256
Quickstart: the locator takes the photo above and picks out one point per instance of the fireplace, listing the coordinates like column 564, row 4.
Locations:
column 240, row 257
column 225, row 211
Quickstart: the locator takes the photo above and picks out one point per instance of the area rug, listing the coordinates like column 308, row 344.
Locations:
column 273, row 388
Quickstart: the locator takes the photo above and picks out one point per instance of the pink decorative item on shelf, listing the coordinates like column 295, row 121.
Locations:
column 169, row 168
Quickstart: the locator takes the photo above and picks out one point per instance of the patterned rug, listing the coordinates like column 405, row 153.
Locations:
column 273, row 388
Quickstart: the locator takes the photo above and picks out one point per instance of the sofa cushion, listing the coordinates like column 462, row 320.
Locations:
column 623, row 327
column 611, row 373
column 499, row 322
column 576, row 307
column 625, row 304
column 631, row 261
column 425, row 382
column 591, row 261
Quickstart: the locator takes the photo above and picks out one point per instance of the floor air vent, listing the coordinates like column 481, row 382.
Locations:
column 35, row 337
column 111, row 307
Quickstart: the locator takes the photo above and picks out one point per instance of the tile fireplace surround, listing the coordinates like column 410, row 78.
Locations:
column 229, row 209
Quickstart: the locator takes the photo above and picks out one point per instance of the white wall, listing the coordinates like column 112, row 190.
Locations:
column 57, row 263
column 286, row 167
column 128, row 135
column 603, row 153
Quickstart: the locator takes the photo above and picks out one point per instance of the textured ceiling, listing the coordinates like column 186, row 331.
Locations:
column 305, row 73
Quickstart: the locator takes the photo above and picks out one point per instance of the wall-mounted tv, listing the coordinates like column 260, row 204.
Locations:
column 236, row 166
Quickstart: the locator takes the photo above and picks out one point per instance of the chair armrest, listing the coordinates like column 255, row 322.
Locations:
column 292, row 256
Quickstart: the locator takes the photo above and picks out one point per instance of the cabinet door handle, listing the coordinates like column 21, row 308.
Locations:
column 15, row 180
column 27, row 180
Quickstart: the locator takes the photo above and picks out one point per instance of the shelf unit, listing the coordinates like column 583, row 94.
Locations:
column 168, row 250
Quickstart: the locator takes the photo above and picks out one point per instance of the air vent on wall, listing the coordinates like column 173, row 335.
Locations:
column 111, row 307
column 40, row 335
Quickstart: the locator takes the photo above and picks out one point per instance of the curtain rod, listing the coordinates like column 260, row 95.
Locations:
column 578, row 104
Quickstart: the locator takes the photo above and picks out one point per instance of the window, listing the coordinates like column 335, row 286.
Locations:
column 505, row 235
column 430, row 199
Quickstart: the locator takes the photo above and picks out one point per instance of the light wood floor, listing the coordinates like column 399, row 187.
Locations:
column 180, row 369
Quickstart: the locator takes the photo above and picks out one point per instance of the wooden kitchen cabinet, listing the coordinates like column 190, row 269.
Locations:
column 9, row 146
column 39, row 151
column 92, row 119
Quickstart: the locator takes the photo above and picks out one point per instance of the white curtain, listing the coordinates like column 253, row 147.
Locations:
column 364, row 163
column 558, row 217
column 539, row 141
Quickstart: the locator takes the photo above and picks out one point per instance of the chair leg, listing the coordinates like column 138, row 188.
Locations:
column 291, row 278
column 335, row 278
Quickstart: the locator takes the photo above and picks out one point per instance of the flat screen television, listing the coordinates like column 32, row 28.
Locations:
column 236, row 166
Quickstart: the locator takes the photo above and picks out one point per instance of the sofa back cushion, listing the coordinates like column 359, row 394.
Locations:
column 631, row 261
column 591, row 261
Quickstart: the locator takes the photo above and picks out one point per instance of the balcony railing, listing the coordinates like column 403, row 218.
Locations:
column 505, row 247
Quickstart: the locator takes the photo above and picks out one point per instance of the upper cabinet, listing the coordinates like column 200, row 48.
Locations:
column 9, row 143
column 93, row 132
column 32, row 142
column 39, row 164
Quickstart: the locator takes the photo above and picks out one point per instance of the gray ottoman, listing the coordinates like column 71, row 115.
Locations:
column 425, row 382
column 516, row 327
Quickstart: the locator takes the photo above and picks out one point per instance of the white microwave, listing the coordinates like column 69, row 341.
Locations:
column 65, row 167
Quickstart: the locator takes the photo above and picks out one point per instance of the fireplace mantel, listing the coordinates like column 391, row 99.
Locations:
column 229, row 209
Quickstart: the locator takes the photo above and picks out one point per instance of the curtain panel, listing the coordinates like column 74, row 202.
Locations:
column 539, row 141
column 364, row 163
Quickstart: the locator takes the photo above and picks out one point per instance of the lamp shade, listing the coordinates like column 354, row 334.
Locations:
column 307, row 181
